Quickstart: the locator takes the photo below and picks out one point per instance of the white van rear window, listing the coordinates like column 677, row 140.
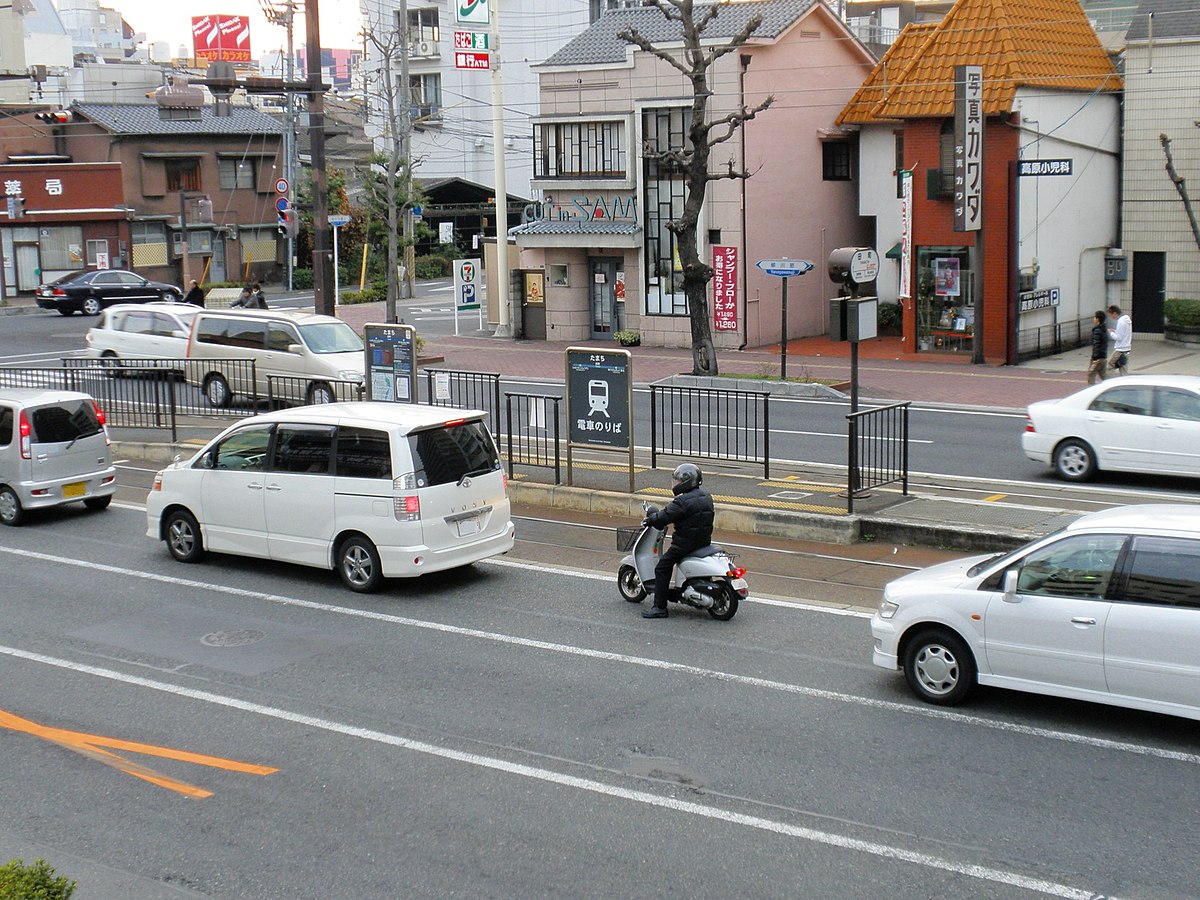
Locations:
column 448, row 453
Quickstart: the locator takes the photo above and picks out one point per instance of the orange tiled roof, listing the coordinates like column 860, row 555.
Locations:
column 1030, row 43
column 887, row 73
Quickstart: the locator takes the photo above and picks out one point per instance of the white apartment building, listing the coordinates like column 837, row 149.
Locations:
column 452, row 107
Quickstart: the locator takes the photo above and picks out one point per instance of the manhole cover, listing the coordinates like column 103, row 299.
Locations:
column 790, row 495
column 239, row 637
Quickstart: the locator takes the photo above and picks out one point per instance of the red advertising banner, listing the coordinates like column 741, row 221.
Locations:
column 221, row 37
column 725, row 291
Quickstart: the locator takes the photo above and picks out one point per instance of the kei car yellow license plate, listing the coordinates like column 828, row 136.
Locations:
column 75, row 489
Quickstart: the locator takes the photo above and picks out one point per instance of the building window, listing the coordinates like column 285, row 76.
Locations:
column 663, row 129
column 899, row 139
column 426, row 93
column 94, row 250
column 836, row 160
column 61, row 247
column 423, row 26
column 236, row 173
column 148, row 232
column 579, row 150
column 182, row 174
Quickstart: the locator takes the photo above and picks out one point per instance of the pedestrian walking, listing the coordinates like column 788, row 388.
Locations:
column 1098, row 366
column 1122, row 338
column 195, row 294
column 258, row 298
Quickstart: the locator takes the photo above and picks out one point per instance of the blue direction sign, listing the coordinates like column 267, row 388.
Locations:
column 784, row 268
column 339, row 221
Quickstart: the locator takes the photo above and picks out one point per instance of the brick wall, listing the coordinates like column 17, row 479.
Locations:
column 933, row 224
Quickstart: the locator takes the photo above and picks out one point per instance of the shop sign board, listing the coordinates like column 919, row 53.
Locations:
column 471, row 12
column 391, row 362
column 470, row 59
column 470, row 40
column 725, row 291
column 968, row 148
column 1040, row 299
column 1037, row 167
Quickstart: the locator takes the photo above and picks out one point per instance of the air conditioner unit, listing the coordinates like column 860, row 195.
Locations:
column 425, row 48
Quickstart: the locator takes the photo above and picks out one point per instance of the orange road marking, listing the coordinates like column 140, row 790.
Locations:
column 994, row 497
column 91, row 745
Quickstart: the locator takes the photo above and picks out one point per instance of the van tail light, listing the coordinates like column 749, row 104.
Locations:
column 26, row 436
column 1029, row 424
column 504, row 475
column 408, row 508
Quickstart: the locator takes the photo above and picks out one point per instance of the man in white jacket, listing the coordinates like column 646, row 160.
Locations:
column 1122, row 338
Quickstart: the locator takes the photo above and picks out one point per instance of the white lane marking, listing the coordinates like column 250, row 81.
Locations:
column 812, row 835
column 646, row 662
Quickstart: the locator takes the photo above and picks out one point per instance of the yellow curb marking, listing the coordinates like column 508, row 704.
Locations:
column 994, row 497
column 755, row 501
column 90, row 745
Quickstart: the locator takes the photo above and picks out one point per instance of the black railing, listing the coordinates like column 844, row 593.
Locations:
column 710, row 423
column 465, row 390
column 292, row 390
column 878, row 449
column 531, row 422
column 1049, row 340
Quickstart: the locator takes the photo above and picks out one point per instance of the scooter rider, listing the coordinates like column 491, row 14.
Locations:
column 691, row 512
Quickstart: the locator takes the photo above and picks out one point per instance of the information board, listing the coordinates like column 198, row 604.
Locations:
column 599, row 402
column 391, row 363
column 598, row 392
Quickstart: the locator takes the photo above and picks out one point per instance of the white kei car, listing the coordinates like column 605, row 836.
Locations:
column 1106, row 609
column 1137, row 423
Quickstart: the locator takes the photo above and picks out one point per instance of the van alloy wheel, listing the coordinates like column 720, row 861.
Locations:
column 359, row 565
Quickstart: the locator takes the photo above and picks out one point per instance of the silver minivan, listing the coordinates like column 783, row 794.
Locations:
column 294, row 356
column 54, row 449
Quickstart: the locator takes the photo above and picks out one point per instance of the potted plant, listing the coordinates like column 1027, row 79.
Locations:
column 627, row 338
column 1182, row 320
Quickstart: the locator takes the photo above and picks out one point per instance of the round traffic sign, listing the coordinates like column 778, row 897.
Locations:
column 281, row 185
column 282, row 204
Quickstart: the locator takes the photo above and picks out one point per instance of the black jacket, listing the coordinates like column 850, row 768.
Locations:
column 1099, row 342
column 692, row 515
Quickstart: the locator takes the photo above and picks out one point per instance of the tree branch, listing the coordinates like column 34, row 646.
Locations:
column 734, row 121
column 633, row 36
column 735, row 42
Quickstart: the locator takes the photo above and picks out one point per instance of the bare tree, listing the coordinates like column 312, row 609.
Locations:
column 1181, row 186
column 694, row 62
column 391, row 45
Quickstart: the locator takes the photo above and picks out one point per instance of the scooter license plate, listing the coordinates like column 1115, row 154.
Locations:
column 739, row 585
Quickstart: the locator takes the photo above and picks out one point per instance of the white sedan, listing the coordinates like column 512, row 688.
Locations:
column 1139, row 423
column 1106, row 610
column 141, row 331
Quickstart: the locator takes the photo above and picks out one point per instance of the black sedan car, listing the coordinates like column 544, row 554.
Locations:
column 88, row 291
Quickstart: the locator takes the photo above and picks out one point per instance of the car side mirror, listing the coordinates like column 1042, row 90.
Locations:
column 295, row 348
column 179, row 334
column 1010, row 586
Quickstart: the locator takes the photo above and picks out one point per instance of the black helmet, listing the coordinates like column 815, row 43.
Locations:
column 686, row 477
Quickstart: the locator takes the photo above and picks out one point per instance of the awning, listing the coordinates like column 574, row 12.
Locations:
column 896, row 252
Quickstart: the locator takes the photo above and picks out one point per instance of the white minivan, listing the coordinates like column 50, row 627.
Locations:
column 371, row 489
column 54, row 449
column 296, row 356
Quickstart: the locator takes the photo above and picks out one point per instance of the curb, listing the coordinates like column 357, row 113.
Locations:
column 747, row 520
column 20, row 310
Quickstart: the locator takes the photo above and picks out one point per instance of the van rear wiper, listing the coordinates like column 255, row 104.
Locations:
column 474, row 473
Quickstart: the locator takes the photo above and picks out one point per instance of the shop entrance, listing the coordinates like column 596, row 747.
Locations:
column 1149, row 290
column 602, row 292
column 945, row 300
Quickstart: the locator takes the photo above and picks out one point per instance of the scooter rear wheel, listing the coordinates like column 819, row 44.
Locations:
column 724, row 608
column 630, row 585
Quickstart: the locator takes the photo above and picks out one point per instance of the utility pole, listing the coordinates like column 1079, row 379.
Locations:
column 504, row 325
column 406, row 126
column 286, row 16
column 323, row 277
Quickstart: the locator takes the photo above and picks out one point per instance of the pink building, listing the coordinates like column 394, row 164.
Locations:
column 598, row 237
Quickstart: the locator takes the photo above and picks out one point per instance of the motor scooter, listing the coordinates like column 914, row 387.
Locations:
column 705, row 579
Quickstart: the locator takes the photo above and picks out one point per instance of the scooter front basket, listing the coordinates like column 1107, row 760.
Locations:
column 627, row 535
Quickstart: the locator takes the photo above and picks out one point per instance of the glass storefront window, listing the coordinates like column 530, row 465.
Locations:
column 945, row 299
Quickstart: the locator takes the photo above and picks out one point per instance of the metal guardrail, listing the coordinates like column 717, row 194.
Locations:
column 877, row 449
column 1050, row 340
column 294, row 390
column 711, row 423
column 466, row 390
column 532, row 425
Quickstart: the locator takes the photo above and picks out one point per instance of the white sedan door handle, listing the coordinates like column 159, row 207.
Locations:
column 254, row 486
column 274, row 487
column 1083, row 620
